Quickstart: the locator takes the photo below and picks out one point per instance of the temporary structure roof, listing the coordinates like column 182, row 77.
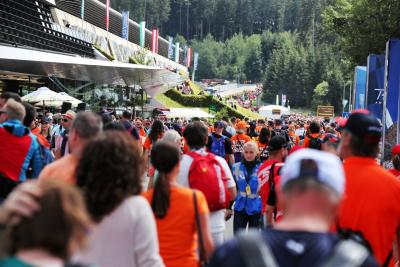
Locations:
column 187, row 113
column 35, row 62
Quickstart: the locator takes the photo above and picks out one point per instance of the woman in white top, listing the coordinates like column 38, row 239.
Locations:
column 109, row 174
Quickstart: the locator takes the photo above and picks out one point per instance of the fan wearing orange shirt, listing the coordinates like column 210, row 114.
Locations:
column 372, row 195
column 239, row 140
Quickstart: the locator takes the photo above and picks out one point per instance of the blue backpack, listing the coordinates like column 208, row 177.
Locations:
column 218, row 146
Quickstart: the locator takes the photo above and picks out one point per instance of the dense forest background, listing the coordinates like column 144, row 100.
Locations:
column 306, row 49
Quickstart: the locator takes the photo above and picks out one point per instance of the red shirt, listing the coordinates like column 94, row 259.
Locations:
column 263, row 178
column 371, row 204
column 394, row 172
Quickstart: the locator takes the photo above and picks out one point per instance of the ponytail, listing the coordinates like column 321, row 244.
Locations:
column 396, row 162
column 161, row 196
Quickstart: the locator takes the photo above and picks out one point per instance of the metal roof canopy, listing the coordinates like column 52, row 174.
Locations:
column 34, row 62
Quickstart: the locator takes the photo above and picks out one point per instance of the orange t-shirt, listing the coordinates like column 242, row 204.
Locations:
column 177, row 232
column 307, row 139
column 238, row 142
column 63, row 169
column 371, row 204
column 142, row 132
column 148, row 143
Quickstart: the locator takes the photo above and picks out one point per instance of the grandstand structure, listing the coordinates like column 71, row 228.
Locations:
column 56, row 42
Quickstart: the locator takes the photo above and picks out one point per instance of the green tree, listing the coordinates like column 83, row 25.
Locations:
column 320, row 93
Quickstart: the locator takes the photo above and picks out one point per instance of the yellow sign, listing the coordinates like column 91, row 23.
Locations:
column 326, row 111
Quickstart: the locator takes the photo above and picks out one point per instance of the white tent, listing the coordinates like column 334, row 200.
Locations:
column 187, row 113
column 273, row 111
column 43, row 95
column 71, row 99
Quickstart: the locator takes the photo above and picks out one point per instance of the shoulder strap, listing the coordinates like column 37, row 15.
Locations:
column 198, row 226
column 237, row 169
column 347, row 253
column 254, row 250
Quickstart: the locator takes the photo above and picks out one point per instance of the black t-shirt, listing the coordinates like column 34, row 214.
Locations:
column 228, row 144
column 291, row 249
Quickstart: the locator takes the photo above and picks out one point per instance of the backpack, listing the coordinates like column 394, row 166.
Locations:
column 315, row 143
column 206, row 175
column 257, row 253
column 218, row 146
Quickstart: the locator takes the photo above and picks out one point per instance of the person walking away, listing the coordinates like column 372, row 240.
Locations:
column 372, row 196
column 396, row 161
column 219, row 144
column 30, row 243
column 313, row 139
column 61, row 143
column 263, row 141
column 330, row 143
column 268, row 176
column 312, row 186
column 279, row 131
column 248, row 201
column 19, row 149
column 155, row 134
column 252, row 133
column 239, row 139
column 176, row 210
column 109, row 173
column 210, row 174
column 85, row 127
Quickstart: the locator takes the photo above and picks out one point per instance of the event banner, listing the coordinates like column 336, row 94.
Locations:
column 375, row 84
column 391, row 96
column 170, row 47
column 360, row 83
column 125, row 25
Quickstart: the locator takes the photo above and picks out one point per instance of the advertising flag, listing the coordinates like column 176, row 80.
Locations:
column 170, row 47
column 195, row 60
column 83, row 9
column 283, row 100
column 107, row 14
column 125, row 25
column 177, row 52
column 142, row 34
column 189, row 57
column 391, row 102
column 154, row 41
column 360, row 83
column 375, row 84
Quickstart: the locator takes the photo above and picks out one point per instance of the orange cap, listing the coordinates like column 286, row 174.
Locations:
column 241, row 125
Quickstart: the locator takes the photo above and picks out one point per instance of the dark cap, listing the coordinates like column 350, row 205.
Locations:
column 218, row 124
column 277, row 142
column 331, row 138
column 45, row 119
column 365, row 126
column 278, row 122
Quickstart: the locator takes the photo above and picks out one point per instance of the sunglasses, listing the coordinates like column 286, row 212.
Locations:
column 65, row 120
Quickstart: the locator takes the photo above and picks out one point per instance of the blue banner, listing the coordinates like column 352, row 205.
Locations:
column 360, row 83
column 375, row 84
column 125, row 25
column 393, row 82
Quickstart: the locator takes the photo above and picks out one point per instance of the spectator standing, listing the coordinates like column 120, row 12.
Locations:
column 372, row 196
column 109, row 174
column 219, row 144
column 176, row 210
column 213, row 182
column 85, row 127
column 330, row 143
column 248, row 201
column 263, row 141
column 239, row 139
column 396, row 161
column 61, row 143
column 313, row 139
column 19, row 149
column 312, row 186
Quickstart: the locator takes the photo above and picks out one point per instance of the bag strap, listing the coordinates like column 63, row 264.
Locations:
column 202, row 252
column 347, row 253
column 254, row 250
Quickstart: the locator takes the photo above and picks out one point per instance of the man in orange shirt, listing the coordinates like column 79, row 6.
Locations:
column 239, row 140
column 313, row 140
column 372, row 195
column 85, row 127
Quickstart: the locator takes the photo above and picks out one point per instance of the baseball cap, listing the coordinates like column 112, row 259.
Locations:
column 218, row 124
column 328, row 171
column 365, row 126
column 396, row 150
column 332, row 138
column 277, row 142
column 46, row 119
column 70, row 114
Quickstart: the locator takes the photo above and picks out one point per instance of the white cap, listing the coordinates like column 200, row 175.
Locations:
column 329, row 168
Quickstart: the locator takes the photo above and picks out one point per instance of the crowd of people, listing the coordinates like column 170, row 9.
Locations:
column 95, row 189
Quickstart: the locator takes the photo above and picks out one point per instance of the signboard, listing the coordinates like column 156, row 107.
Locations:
column 360, row 82
column 326, row 111
column 375, row 84
column 276, row 112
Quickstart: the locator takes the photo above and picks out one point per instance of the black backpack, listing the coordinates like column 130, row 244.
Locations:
column 315, row 142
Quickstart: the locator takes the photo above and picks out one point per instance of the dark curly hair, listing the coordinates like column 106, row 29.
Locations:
column 108, row 172
column 157, row 129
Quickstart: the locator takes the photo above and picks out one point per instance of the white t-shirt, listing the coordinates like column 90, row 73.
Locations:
column 125, row 238
column 217, row 218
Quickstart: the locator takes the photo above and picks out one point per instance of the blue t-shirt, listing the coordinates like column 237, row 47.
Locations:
column 291, row 249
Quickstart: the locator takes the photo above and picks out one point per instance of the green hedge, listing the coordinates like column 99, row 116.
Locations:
column 201, row 101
